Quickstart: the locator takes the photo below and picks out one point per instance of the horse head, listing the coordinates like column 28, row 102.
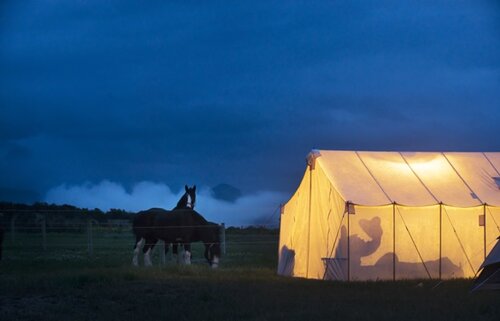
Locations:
column 187, row 200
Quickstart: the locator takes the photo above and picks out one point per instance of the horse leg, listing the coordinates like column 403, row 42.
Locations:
column 207, row 253
column 215, row 262
column 148, row 248
column 166, row 249
column 187, row 253
column 139, row 242
column 175, row 252
column 179, row 254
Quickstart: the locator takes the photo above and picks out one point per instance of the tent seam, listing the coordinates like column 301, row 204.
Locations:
column 463, row 180
column 491, row 214
column 489, row 161
column 418, row 177
column 459, row 241
column 373, row 177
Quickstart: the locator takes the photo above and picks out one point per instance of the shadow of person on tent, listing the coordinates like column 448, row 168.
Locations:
column 358, row 247
column 383, row 267
column 286, row 262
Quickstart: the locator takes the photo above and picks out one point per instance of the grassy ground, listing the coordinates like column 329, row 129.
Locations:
column 62, row 283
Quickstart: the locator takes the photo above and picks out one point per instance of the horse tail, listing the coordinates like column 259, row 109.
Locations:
column 139, row 223
column 135, row 225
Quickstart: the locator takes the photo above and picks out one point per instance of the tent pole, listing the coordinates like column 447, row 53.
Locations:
column 440, row 238
column 348, row 244
column 484, row 228
column 394, row 241
column 309, row 221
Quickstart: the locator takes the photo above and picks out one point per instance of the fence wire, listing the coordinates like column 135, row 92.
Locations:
column 93, row 239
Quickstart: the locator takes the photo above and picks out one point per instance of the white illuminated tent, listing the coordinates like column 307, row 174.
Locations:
column 391, row 215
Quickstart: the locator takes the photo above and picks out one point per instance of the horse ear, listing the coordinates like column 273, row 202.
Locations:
column 194, row 188
column 186, row 188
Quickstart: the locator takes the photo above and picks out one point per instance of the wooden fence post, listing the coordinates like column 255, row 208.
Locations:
column 13, row 228
column 162, row 253
column 44, row 232
column 90, row 241
column 223, row 238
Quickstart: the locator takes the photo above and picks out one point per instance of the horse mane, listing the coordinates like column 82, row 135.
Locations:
column 181, row 204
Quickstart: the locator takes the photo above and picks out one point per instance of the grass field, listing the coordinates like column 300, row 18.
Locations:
column 63, row 283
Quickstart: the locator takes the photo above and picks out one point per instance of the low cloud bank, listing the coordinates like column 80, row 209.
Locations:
column 260, row 208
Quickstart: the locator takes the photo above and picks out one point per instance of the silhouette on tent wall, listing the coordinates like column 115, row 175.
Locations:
column 286, row 262
column 383, row 268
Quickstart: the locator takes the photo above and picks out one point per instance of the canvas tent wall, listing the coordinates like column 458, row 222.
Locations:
column 391, row 215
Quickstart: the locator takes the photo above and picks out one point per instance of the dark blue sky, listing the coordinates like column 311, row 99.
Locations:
column 177, row 92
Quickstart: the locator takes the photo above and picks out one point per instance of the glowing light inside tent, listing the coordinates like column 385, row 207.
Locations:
column 436, row 165
column 423, row 164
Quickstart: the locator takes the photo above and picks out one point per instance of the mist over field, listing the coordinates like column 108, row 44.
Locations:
column 258, row 208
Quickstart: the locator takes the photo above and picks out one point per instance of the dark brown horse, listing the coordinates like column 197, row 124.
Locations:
column 187, row 201
column 182, row 226
column 146, row 218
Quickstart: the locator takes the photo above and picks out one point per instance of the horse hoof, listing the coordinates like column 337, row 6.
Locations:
column 187, row 258
column 215, row 263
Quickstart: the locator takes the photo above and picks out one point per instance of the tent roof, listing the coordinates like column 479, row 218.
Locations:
column 413, row 178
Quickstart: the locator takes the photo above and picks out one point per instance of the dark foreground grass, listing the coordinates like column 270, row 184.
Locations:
column 44, row 287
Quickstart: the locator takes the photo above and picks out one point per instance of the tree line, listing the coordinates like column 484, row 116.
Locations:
column 26, row 217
